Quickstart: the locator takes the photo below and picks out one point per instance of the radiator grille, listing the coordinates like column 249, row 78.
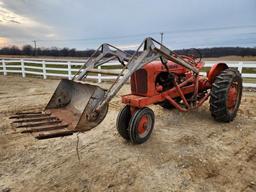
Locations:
column 139, row 82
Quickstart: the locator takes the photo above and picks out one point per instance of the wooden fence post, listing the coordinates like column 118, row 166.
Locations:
column 22, row 68
column 4, row 67
column 99, row 75
column 69, row 71
column 240, row 67
column 44, row 69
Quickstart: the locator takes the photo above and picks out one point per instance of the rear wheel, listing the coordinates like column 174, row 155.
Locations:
column 122, row 122
column 141, row 125
column 226, row 95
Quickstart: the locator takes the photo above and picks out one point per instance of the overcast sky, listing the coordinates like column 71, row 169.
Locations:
column 86, row 24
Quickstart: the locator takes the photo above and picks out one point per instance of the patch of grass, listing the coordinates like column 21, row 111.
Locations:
column 13, row 68
column 249, row 70
column 35, row 70
column 249, row 80
column 56, row 72
column 16, row 63
column 33, row 64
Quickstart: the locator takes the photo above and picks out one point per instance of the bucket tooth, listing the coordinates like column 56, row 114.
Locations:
column 19, row 116
column 49, row 135
column 45, row 128
column 39, row 124
column 31, row 112
column 35, row 119
column 42, row 125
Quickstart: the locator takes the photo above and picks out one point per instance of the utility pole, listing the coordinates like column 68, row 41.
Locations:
column 162, row 37
column 35, row 48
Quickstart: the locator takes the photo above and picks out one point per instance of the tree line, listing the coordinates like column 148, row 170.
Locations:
column 28, row 50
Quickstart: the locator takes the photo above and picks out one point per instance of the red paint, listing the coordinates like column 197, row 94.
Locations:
column 216, row 70
column 145, row 90
column 232, row 97
column 142, row 127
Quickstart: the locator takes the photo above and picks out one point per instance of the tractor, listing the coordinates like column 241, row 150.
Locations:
column 157, row 75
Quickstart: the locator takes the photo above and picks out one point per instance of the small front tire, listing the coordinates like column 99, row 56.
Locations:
column 122, row 122
column 141, row 125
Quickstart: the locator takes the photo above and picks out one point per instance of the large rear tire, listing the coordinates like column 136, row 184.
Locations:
column 226, row 95
column 141, row 125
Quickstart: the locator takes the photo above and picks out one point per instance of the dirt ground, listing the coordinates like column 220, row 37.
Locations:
column 186, row 152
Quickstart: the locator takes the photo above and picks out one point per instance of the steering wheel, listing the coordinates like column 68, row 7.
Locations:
column 194, row 55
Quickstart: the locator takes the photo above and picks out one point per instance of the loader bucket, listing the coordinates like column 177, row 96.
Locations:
column 70, row 109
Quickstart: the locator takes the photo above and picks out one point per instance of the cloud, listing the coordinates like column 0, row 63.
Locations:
column 193, row 23
column 8, row 17
column 20, row 29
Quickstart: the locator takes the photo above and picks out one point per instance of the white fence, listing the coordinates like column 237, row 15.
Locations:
column 67, row 68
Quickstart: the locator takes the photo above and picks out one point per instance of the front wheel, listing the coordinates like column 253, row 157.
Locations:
column 141, row 125
column 122, row 122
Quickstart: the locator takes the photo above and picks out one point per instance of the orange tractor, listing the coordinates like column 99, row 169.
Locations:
column 157, row 76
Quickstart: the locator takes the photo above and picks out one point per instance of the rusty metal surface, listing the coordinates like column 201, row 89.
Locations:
column 29, row 115
column 41, row 126
column 75, row 102
column 82, row 106
column 71, row 109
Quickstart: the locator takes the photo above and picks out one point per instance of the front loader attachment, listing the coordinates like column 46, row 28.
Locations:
column 71, row 109
column 77, row 106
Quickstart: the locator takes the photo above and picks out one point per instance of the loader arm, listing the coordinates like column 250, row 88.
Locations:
column 103, row 50
column 152, row 50
column 78, row 106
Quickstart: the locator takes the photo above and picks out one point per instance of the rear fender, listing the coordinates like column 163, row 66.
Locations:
column 215, row 70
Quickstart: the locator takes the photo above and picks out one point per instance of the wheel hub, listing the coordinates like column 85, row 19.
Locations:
column 232, row 97
column 143, row 125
